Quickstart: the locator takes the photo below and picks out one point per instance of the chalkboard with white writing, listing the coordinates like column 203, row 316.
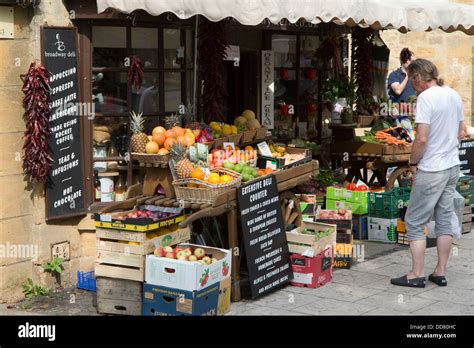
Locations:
column 466, row 155
column 266, row 247
column 65, row 189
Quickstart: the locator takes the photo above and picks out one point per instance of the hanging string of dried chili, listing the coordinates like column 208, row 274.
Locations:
column 136, row 73
column 36, row 158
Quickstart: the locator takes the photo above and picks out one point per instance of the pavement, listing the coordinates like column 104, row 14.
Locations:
column 364, row 289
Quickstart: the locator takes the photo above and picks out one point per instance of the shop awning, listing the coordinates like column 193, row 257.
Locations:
column 404, row 15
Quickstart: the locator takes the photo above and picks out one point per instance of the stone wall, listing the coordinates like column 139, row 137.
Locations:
column 453, row 54
column 22, row 207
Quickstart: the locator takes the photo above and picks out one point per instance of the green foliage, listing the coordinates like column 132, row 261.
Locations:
column 32, row 290
column 325, row 178
column 54, row 266
column 339, row 88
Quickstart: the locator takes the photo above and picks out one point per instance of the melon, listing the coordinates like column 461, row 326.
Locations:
column 253, row 124
column 248, row 114
column 240, row 120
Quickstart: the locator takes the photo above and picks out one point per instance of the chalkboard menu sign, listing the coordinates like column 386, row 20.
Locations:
column 266, row 247
column 65, row 190
column 466, row 155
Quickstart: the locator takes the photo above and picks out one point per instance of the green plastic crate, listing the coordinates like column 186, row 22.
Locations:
column 341, row 194
column 388, row 204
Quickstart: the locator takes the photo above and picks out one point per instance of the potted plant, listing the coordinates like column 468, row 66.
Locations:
column 340, row 91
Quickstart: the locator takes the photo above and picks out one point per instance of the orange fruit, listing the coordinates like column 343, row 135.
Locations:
column 150, row 138
column 181, row 140
column 249, row 148
column 224, row 179
column 178, row 130
column 152, row 147
column 197, row 174
column 169, row 142
column 214, row 180
column 158, row 130
column 268, row 171
column 189, row 139
column 159, row 138
column 170, row 133
column 163, row 152
column 261, row 172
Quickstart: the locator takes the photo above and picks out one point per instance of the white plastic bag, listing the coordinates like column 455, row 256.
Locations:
column 455, row 223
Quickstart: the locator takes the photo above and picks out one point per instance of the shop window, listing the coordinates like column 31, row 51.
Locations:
column 296, row 84
column 167, row 56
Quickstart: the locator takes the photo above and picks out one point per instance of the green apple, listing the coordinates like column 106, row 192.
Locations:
column 229, row 165
column 238, row 168
column 245, row 177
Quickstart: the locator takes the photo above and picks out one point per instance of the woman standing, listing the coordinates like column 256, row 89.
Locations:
column 399, row 87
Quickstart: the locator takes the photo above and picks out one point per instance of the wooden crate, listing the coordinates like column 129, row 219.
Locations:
column 466, row 227
column 116, row 259
column 119, row 296
column 299, row 243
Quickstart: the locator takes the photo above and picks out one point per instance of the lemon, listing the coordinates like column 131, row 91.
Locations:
column 224, row 179
column 216, row 128
column 234, row 130
column 226, row 130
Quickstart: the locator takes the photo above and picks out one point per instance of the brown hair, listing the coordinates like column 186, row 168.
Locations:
column 405, row 55
column 426, row 70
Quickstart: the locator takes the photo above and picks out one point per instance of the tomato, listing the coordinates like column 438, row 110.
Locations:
column 351, row 186
column 362, row 188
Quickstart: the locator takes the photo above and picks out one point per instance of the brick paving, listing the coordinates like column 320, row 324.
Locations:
column 365, row 289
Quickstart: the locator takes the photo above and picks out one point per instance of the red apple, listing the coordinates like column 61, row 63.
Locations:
column 159, row 252
column 199, row 253
column 169, row 255
column 169, row 249
column 192, row 258
column 177, row 250
column 206, row 260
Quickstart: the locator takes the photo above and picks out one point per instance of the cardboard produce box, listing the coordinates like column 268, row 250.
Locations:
column 121, row 221
column 312, row 272
column 212, row 300
column 382, row 230
column 304, row 240
column 185, row 275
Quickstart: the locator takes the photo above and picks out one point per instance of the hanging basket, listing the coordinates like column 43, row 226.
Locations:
column 199, row 191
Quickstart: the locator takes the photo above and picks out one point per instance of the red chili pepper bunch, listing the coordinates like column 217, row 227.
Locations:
column 36, row 159
column 135, row 72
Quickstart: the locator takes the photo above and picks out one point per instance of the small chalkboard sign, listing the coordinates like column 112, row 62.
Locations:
column 266, row 247
column 65, row 189
column 466, row 155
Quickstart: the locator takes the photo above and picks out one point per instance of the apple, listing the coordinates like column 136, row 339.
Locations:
column 188, row 251
column 159, row 252
column 192, row 258
column 177, row 250
column 206, row 260
column 181, row 255
column 169, row 255
column 213, row 260
column 202, row 262
column 169, row 249
column 199, row 253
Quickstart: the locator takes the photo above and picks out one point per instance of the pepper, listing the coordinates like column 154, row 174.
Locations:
column 135, row 72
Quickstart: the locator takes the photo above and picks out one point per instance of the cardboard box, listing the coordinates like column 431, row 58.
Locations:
column 212, row 300
column 185, row 275
column 111, row 221
column 356, row 208
column 359, row 227
column 312, row 272
column 302, row 240
column 382, row 230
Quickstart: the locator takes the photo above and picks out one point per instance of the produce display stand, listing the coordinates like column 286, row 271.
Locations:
column 363, row 156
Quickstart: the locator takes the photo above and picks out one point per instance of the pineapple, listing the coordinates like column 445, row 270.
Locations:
column 184, row 166
column 172, row 121
column 139, row 139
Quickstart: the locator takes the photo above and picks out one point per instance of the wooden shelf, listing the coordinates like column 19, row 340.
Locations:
column 108, row 159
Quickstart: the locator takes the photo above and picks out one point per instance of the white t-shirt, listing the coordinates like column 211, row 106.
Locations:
column 441, row 108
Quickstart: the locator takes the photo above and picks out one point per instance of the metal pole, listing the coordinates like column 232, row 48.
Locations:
column 195, row 102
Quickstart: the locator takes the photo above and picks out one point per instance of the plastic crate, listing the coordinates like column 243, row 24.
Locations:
column 86, row 281
column 388, row 205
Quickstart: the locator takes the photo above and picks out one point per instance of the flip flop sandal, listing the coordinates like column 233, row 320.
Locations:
column 438, row 280
column 412, row 283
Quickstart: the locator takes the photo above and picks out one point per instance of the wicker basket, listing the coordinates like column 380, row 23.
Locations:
column 204, row 192
column 261, row 133
column 235, row 138
column 218, row 143
column 248, row 136
column 363, row 120
column 151, row 160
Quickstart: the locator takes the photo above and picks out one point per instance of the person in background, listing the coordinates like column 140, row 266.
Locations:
column 399, row 86
column 435, row 163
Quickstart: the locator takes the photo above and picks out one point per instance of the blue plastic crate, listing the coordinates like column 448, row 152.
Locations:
column 86, row 281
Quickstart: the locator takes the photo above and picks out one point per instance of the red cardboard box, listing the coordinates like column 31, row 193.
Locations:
column 312, row 272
